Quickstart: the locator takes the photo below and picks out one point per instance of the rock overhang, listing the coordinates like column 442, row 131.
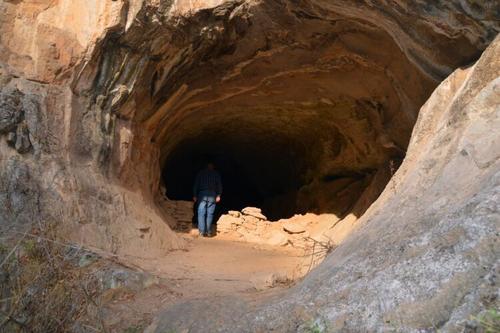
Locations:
column 307, row 97
column 337, row 83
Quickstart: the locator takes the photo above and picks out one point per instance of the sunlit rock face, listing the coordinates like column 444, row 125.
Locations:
column 308, row 106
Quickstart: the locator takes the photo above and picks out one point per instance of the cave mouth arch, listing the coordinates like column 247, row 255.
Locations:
column 314, row 122
column 312, row 117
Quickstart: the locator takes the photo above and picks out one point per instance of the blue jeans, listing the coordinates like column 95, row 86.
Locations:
column 206, row 209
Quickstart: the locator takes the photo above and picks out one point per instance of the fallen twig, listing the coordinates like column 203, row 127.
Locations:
column 12, row 251
column 99, row 313
column 9, row 318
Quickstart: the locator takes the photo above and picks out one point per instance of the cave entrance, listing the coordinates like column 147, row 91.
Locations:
column 257, row 170
column 315, row 120
column 318, row 158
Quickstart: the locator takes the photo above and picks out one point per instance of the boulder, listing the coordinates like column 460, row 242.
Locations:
column 255, row 212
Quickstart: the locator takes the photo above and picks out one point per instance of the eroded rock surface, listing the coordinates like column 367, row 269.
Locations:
column 98, row 96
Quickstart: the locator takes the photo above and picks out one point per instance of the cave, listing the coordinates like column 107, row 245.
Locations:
column 303, row 111
column 272, row 158
column 366, row 131
column 317, row 122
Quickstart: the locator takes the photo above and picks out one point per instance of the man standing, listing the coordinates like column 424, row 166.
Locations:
column 207, row 190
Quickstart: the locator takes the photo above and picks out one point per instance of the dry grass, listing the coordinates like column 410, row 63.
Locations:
column 43, row 288
column 318, row 250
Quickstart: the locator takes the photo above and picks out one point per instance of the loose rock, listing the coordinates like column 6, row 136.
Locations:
column 255, row 212
column 294, row 227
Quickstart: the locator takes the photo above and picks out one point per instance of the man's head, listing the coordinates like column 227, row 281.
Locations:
column 210, row 165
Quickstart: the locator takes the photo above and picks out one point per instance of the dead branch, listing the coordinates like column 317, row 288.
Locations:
column 99, row 312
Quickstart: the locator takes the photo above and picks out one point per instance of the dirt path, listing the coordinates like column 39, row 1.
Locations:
column 208, row 268
column 213, row 267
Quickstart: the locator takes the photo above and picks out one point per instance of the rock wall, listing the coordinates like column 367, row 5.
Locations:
column 42, row 181
column 182, row 213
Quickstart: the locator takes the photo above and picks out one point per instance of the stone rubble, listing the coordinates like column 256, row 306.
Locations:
column 18, row 119
column 181, row 212
column 250, row 225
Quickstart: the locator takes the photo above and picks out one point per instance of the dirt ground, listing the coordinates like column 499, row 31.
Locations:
column 208, row 267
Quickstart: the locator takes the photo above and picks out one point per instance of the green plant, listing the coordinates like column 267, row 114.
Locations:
column 32, row 249
column 314, row 329
column 490, row 321
column 3, row 248
column 134, row 329
column 316, row 326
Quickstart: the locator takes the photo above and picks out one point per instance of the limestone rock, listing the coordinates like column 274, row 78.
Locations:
column 19, row 193
column 23, row 143
column 228, row 223
column 234, row 213
column 11, row 139
column 180, row 211
column 254, row 212
column 294, row 227
column 119, row 98
column 441, row 206
column 119, row 277
column 277, row 238
column 251, row 221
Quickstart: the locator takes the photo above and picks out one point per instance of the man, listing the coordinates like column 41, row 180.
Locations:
column 207, row 190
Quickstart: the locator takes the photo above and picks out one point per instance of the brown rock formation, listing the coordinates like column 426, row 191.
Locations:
column 309, row 106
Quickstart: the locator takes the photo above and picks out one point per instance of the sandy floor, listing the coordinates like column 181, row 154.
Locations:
column 210, row 266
